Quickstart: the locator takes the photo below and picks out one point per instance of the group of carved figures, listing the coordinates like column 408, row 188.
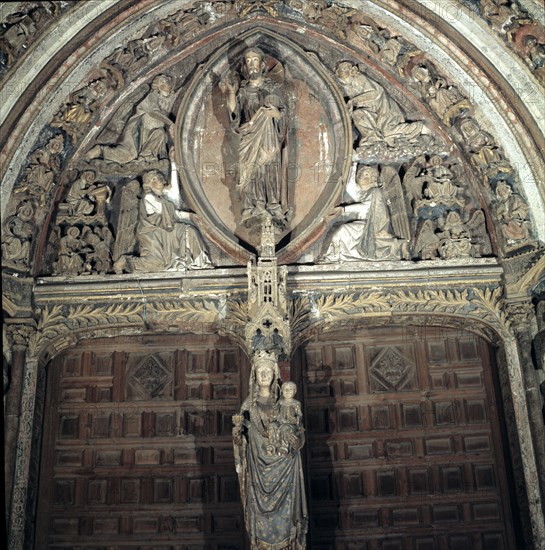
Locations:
column 151, row 233
column 390, row 211
column 268, row 435
column 375, row 224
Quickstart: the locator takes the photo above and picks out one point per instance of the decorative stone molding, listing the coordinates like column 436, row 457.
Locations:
column 479, row 310
column 60, row 326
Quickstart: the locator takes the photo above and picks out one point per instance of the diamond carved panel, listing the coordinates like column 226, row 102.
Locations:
column 391, row 371
column 149, row 378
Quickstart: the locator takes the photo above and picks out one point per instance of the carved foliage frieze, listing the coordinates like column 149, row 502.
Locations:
column 480, row 310
column 62, row 325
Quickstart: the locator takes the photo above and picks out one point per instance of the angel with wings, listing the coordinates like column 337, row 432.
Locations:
column 376, row 226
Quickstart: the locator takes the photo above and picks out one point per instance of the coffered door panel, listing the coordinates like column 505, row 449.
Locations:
column 137, row 450
column 404, row 449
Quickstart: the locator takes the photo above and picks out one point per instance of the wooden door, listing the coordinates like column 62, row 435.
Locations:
column 137, row 449
column 404, row 450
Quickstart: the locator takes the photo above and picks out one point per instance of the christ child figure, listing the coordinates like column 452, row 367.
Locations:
column 289, row 419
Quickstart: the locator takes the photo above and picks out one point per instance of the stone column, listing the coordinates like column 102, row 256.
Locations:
column 17, row 335
column 524, row 323
column 525, row 442
column 18, row 517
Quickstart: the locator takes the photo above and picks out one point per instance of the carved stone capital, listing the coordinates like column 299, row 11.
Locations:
column 17, row 295
column 19, row 332
column 521, row 315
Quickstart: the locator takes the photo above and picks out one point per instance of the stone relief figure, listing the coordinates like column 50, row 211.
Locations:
column 74, row 116
column 70, row 260
column 431, row 184
column 500, row 13
column 166, row 237
column 43, row 165
column 21, row 27
column 486, row 156
column 81, row 239
column 512, row 212
column 378, row 119
column 445, row 100
column 426, row 245
column 85, row 197
column 367, row 234
column 17, row 235
column 534, row 55
column 127, row 220
column 98, row 241
column 145, row 134
column 257, row 108
column 268, row 437
column 451, row 236
column 454, row 237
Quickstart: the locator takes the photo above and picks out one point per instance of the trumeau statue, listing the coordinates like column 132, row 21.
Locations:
column 257, row 109
column 368, row 234
column 165, row 235
column 268, row 436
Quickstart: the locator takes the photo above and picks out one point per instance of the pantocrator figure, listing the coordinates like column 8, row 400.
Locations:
column 257, row 109
column 268, row 436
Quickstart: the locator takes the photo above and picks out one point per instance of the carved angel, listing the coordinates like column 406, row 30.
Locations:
column 371, row 231
column 166, row 237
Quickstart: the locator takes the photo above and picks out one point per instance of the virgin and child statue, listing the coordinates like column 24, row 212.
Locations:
column 268, row 436
column 257, row 109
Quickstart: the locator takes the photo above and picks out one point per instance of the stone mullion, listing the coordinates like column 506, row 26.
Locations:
column 16, row 533
column 529, row 458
